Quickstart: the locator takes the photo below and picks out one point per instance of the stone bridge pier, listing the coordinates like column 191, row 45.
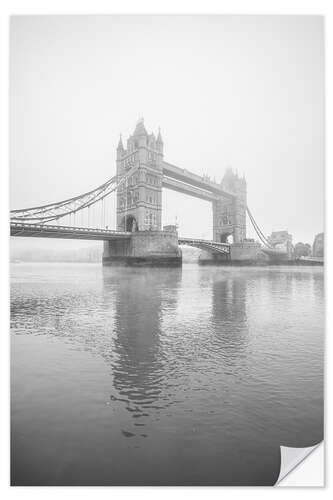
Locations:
column 153, row 248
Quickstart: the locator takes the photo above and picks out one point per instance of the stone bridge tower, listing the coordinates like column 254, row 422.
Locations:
column 229, row 215
column 139, row 199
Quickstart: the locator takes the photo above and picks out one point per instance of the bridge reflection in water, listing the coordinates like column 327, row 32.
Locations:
column 204, row 386
column 191, row 378
column 141, row 299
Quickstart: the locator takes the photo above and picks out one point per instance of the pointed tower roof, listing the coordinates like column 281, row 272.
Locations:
column 159, row 137
column 120, row 144
column 229, row 173
column 140, row 128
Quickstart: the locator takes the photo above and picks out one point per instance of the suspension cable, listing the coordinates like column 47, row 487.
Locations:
column 260, row 234
column 58, row 210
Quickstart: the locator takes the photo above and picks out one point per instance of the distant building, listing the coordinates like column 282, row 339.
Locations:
column 280, row 238
column 302, row 250
column 318, row 246
column 282, row 241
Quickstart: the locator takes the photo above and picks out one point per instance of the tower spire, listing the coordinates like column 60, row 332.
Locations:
column 159, row 137
column 140, row 128
column 120, row 144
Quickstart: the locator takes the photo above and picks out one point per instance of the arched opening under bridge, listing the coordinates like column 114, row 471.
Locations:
column 227, row 238
column 129, row 223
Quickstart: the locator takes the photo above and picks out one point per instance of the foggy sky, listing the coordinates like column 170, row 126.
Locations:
column 239, row 91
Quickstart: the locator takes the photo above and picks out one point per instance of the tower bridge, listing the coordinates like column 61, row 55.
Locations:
column 141, row 173
column 139, row 200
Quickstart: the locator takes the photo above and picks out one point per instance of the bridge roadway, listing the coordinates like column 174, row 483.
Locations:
column 19, row 229
column 212, row 246
column 65, row 232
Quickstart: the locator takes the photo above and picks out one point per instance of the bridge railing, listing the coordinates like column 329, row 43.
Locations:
column 74, row 229
column 217, row 246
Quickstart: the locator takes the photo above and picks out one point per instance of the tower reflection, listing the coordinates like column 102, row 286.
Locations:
column 141, row 299
column 229, row 317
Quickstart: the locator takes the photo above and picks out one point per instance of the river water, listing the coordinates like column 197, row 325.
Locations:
column 190, row 376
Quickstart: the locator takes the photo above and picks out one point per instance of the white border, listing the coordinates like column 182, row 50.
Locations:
column 291, row 7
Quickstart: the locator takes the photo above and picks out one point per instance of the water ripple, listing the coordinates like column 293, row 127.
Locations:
column 217, row 353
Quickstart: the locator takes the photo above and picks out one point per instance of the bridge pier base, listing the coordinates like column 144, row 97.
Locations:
column 244, row 253
column 145, row 248
column 210, row 258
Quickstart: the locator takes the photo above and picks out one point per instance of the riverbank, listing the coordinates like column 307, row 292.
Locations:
column 253, row 263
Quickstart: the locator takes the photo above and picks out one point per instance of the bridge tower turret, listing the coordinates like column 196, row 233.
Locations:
column 139, row 198
column 229, row 215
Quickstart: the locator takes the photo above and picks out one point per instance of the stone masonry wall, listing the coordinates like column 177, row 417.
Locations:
column 152, row 246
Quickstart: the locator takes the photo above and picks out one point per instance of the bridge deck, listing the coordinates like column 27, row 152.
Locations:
column 212, row 246
column 83, row 233
column 65, row 232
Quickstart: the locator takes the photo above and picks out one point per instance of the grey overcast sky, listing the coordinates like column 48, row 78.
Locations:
column 239, row 91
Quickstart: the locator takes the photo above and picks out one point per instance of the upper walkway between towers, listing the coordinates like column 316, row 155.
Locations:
column 184, row 181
